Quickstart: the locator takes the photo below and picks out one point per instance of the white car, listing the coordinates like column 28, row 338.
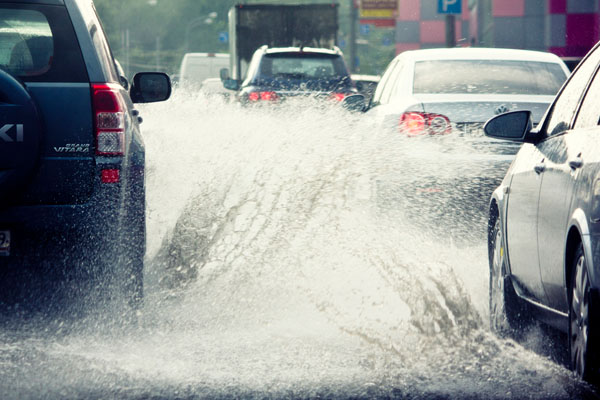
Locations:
column 196, row 67
column 439, row 91
column 432, row 105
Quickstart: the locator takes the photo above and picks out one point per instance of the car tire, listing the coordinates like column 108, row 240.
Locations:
column 583, row 321
column 508, row 313
column 133, row 248
column 133, row 277
column 116, row 267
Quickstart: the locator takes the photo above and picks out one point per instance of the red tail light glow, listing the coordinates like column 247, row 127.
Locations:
column 109, row 112
column 268, row 96
column 265, row 96
column 418, row 123
column 110, row 176
column 337, row 96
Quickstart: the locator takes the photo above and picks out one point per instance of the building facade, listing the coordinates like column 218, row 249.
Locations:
column 568, row 28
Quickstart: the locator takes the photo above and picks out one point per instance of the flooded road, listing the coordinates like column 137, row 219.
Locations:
column 274, row 272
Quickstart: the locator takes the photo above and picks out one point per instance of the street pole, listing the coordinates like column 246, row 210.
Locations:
column 127, row 46
column 450, row 31
column 157, row 53
column 353, row 22
column 207, row 20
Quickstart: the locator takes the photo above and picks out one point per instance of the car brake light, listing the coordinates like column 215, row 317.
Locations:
column 266, row 96
column 337, row 96
column 109, row 119
column 110, row 176
column 418, row 123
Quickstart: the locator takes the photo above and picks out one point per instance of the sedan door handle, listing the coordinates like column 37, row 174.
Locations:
column 539, row 168
column 575, row 163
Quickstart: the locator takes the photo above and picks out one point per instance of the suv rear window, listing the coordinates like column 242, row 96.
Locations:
column 38, row 44
column 488, row 77
column 302, row 66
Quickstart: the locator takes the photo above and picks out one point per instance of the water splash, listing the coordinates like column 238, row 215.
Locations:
column 276, row 267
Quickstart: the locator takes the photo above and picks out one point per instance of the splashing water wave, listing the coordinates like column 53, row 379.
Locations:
column 274, row 272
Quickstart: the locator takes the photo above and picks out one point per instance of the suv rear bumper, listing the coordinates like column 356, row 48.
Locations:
column 111, row 213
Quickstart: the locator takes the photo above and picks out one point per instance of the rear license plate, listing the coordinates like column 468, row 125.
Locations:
column 4, row 243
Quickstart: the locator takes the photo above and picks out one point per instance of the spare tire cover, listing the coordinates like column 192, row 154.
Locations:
column 20, row 137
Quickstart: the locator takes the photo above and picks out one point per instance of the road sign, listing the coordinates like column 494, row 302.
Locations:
column 449, row 6
column 223, row 37
column 364, row 30
column 378, row 12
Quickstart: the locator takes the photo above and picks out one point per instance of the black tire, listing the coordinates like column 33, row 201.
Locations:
column 583, row 321
column 135, row 244
column 133, row 278
column 115, row 265
column 508, row 313
column 127, row 271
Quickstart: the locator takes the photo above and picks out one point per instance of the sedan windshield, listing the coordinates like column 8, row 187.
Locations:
column 487, row 77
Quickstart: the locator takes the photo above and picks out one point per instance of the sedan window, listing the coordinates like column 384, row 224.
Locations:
column 589, row 114
column 565, row 105
column 391, row 88
column 488, row 77
column 384, row 81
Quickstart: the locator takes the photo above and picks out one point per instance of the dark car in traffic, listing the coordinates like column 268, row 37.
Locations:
column 544, row 221
column 277, row 74
column 72, row 158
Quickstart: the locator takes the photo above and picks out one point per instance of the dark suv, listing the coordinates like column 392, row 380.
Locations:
column 72, row 194
column 278, row 73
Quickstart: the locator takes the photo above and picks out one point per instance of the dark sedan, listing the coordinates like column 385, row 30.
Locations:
column 544, row 225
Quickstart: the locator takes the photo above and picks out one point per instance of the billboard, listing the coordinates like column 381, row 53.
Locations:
column 378, row 12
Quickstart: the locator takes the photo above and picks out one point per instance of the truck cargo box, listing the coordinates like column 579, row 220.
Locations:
column 254, row 25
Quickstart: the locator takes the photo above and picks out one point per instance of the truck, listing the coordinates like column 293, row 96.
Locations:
column 254, row 25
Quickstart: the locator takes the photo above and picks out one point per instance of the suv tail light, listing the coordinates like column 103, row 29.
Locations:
column 418, row 123
column 109, row 119
column 265, row 96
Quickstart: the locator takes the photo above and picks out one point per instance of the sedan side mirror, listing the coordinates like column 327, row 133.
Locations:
column 231, row 84
column 150, row 87
column 354, row 102
column 514, row 126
